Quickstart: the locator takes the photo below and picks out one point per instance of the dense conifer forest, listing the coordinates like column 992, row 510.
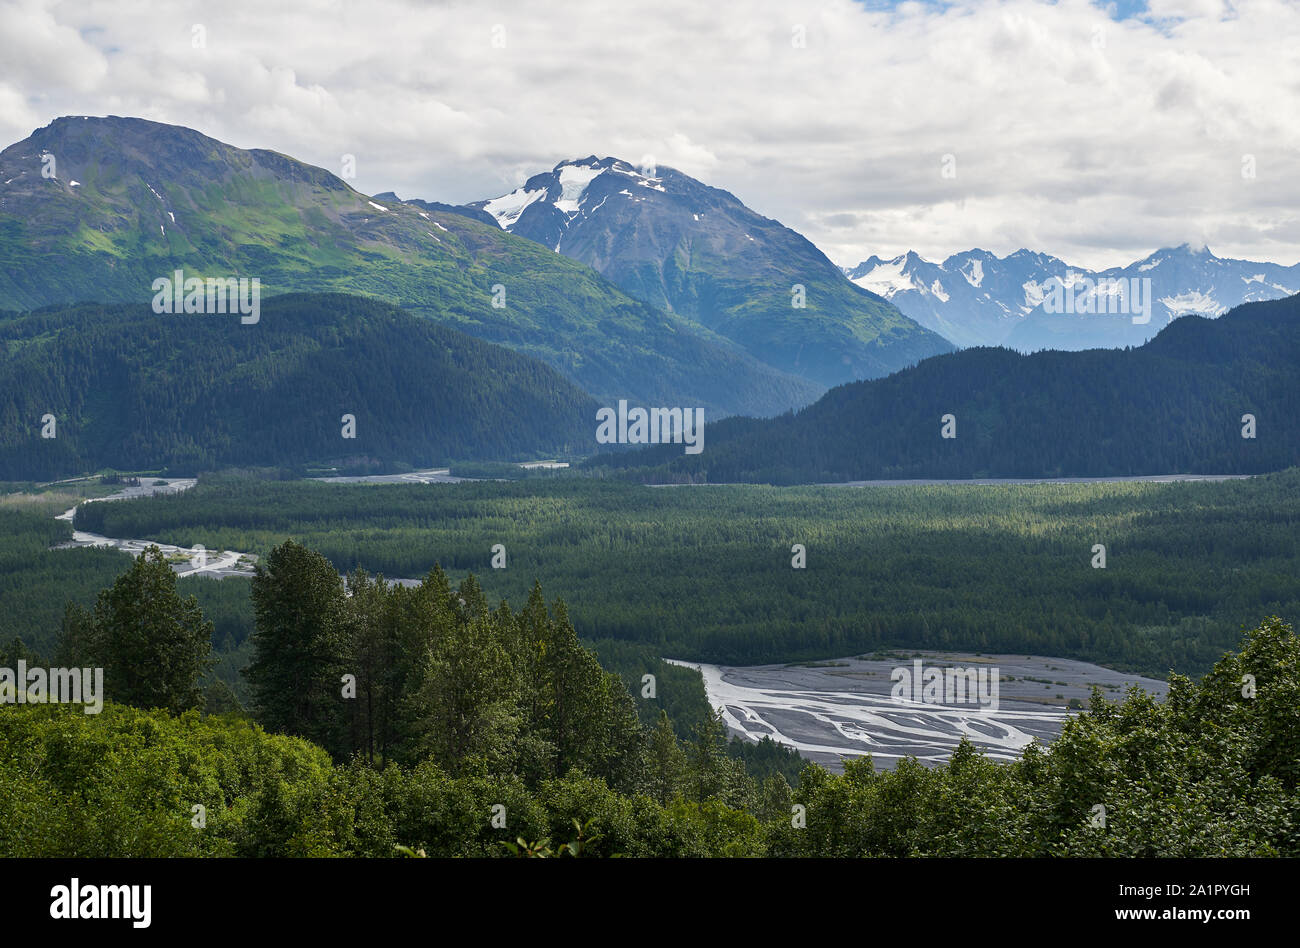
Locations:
column 129, row 389
column 1175, row 405
column 705, row 573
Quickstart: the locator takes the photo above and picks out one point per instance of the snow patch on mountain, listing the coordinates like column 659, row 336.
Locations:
column 507, row 208
column 573, row 182
column 1263, row 281
column 887, row 278
column 1193, row 302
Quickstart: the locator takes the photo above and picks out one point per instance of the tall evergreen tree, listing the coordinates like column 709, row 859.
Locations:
column 665, row 761
column 299, row 647
column 471, row 698
column 153, row 645
column 74, row 636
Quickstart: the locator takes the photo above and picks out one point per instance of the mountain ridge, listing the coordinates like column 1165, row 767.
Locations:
column 976, row 298
column 151, row 198
column 679, row 244
column 132, row 390
column 1177, row 404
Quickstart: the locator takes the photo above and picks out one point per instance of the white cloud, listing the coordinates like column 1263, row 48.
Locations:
column 1074, row 134
column 1182, row 9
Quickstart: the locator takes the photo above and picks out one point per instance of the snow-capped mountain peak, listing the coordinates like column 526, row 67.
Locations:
column 573, row 182
column 698, row 252
column 566, row 188
column 977, row 298
column 888, row 277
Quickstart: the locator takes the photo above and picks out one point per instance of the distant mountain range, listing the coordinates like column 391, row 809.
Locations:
column 129, row 389
column 634, row 283
column 95, row 209
column 978, row 299
column 1174, row 405
column 696, row 251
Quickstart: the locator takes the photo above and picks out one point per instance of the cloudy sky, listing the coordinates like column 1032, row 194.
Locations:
column 1093, row 131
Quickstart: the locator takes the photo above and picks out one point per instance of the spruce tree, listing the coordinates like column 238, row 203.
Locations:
column 299, row 647
column 153, row 645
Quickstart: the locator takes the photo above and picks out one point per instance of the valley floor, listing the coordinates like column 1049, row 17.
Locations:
column 843, row 708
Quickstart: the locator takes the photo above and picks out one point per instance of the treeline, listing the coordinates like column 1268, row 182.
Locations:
column 431, row 672
column 1174, row 405
column 389, row 673
column 95, row 386
column 705, row 573
column 407, row 675
column 36, row 582
column 1208, row 772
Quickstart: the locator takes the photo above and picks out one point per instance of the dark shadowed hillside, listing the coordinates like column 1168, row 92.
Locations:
column 1174, row 405
column 133, row 390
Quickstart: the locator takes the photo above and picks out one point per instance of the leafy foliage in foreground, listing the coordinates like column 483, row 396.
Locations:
column 1208, row 772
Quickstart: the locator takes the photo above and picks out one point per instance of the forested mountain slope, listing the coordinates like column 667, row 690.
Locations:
column 96, row 209
column 1174, row 405
column 132, row 390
